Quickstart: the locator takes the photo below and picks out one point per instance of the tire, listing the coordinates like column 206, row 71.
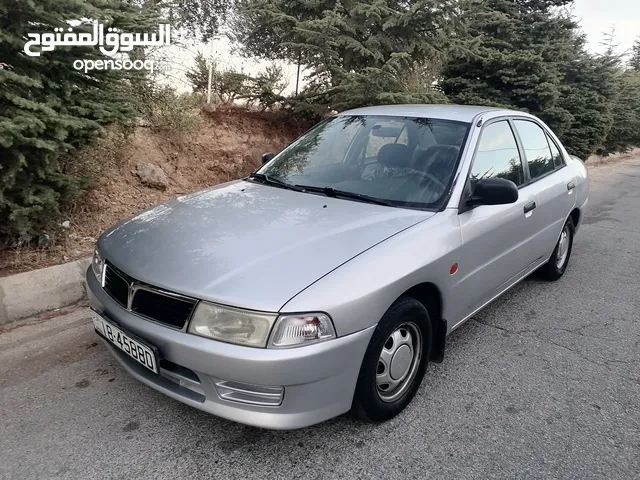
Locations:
column 406, row 323
column 557, row 264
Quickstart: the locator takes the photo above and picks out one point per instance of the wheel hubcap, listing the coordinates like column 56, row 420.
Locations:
column 398, row 362
column 563, row 247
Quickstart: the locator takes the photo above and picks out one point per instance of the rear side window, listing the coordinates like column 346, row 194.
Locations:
column 555, row 152
column 441, row 133
column 383, row 133
column 498, row 155
column 448, row 133
column 536, row 148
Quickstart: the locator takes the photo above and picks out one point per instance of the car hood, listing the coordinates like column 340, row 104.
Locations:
column 248, row 245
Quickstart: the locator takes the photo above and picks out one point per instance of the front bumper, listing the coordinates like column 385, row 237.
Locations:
column 319, row 380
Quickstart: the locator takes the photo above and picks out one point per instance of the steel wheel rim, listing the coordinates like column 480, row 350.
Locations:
column 563, row 247
column 398, row 362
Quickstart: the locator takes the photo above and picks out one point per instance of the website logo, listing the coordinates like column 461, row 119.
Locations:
column 110, row 41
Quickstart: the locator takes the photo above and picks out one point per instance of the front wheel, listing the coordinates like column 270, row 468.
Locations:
column 394, row 363
column 557, row 264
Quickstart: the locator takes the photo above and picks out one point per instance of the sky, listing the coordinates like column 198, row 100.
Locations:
column 596, row 17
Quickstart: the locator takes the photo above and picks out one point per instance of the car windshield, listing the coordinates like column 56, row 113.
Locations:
column 398, row 161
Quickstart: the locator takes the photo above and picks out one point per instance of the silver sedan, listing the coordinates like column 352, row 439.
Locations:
column 325, row 281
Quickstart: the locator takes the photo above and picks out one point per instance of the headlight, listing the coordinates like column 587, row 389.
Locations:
column 232, row 325
column 97, row 264
column 301, row 329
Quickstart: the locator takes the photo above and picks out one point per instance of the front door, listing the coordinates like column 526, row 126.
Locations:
column 496, row 239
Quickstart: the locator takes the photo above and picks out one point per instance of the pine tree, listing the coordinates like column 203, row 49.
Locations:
column 48, row 108
column 199, row 19
column 198, row 75
column 625, row 130
column 625, row 126
column 523, row 55
column 634, row 61
column 587, row 92
column 356, row 52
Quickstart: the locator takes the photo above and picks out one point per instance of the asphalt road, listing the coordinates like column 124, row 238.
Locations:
column 545, row 383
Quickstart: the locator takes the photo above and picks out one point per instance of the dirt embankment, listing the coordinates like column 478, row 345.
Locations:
column 226, row 146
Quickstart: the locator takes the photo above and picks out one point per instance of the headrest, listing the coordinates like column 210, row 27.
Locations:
column 436, row 153
column 394, row 155
column 418, row 156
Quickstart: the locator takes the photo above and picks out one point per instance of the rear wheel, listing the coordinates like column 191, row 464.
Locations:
column 394, row 363
column 557, row 264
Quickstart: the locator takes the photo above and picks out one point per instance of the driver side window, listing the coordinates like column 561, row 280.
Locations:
column 497, row 155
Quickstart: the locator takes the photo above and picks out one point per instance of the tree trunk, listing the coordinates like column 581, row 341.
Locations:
column 298, row 73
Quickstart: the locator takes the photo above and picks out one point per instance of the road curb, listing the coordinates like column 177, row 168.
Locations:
column 30, row 293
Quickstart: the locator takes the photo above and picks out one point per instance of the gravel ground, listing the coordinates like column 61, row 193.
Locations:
column 544, row 383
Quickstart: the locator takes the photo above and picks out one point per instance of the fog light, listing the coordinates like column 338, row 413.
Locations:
column 250, row 394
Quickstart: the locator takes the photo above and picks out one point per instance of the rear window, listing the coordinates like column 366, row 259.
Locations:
column 384, row 132
column 555, row 152
column 536, row 148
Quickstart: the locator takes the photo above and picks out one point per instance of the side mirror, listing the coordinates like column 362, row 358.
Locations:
column 266, row 157
column 494, row 191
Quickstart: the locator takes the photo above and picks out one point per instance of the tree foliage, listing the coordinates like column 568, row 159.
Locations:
column 526, row 55
column 228, row 84
column 625, row 128
column 198, row 75
column 200, row 19
column 634, row 61
column 356, row 52
column 48, row 108
column 587, row 93
column 266, row 88
column 263, row 89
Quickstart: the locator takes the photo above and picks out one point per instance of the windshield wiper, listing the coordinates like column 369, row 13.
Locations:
column 332, row 192
column 267, row 180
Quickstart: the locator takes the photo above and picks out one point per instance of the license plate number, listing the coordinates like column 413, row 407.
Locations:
column 136, row 350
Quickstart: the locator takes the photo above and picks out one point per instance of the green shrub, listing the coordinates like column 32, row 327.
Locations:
column 166, row 109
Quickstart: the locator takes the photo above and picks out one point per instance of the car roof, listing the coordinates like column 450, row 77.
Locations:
column 462, row 113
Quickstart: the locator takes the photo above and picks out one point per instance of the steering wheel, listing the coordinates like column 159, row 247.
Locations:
column 428, row 177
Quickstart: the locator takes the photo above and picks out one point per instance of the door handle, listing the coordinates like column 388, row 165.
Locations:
column 571, row 186
column 529, row 206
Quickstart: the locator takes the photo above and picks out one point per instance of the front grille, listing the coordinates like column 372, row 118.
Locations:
column 116, row 284
column 151, row 302
column 172, row 311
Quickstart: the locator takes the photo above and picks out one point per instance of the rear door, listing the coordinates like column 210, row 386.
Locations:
column 548, row 176
column 496, row 238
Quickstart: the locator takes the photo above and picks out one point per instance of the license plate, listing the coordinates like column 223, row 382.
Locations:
column 134, row 348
